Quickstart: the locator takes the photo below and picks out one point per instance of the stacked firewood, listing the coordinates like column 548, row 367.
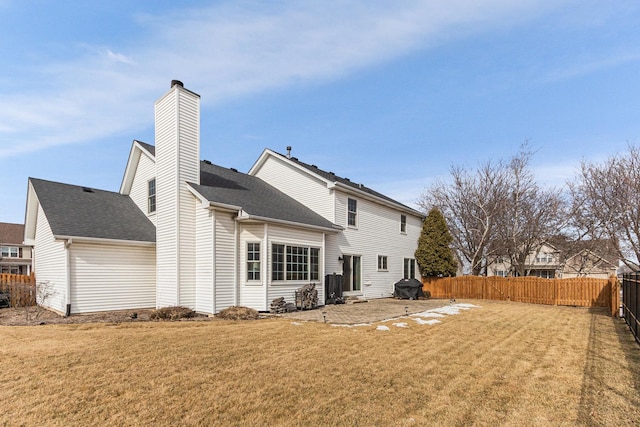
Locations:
column 307, row 297
column 279, row 305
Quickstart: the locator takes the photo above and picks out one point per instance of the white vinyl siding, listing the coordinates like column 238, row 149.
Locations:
column 300, row 185
column 205, row 261
column 145, row 172
column 300, row 238
column 50, row 264
column 377, row 231
column 177, row 162
column 253, row 292
column 111, row 277
column 225, row 266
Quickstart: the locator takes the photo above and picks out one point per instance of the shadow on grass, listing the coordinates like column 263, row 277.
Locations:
column 612, row 356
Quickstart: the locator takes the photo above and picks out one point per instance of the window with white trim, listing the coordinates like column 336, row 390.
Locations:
column 151, row 195
column 10, row 270
column 403, row 223
column 409, row 268
column 544, row 258
column 253, row 261
column 289, row 262
column 9, row 252
column 382, row 263
column 352, row 212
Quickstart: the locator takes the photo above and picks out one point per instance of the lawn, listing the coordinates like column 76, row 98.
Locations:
column 500, row 364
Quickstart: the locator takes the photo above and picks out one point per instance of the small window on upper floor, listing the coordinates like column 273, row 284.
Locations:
column 352, row 212
column 403, row 223
column 151, row 197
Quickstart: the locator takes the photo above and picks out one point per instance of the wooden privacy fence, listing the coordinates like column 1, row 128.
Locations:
column 21, row 289
column 580, row 291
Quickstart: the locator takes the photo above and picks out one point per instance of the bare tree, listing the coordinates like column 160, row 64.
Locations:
column 530, row 215
column 497, row 209
column 470, row 203
column 604, row 199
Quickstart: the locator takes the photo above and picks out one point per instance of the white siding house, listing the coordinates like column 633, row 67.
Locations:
column 376, row 229
column 182, row 231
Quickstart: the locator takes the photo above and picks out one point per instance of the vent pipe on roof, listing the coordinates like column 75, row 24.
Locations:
column 288, row 151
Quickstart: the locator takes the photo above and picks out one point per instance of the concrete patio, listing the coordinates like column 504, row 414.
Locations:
column 370, row 311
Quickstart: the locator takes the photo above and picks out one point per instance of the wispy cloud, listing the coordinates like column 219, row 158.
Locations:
column 592, row 65
column 227, row 51
column 118, row 57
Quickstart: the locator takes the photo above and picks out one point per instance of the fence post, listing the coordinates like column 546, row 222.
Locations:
column 615, row 295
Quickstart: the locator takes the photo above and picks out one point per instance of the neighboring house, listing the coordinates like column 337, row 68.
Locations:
column 15, row 257
column 182, row 231
column 564, row 259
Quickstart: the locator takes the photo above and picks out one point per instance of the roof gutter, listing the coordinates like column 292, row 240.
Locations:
column 334, row 229
column 98, row 240
column 364, row 194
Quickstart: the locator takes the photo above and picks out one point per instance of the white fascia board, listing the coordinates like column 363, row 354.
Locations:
column 100, row 241
column 373, row 198
column 267, row 153
column 132, row 165
column 30, row 215
column 247, row 218
column 203, row 200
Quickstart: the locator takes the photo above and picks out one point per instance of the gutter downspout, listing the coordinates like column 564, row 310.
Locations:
column 265, row 265
column 67, row 243
column 236, row 236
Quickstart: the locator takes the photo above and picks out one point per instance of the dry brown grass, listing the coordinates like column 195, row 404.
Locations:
column 502, row 364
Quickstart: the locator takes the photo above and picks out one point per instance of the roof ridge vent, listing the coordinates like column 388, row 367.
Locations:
column 207, row 161
column 87, row 190
column 234, row 169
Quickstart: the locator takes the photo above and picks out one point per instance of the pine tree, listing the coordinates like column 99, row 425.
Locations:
column 434, row 254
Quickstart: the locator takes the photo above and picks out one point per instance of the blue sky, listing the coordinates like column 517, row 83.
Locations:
column 386, row 93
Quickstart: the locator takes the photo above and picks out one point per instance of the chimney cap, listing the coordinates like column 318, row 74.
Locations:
column 176, row 82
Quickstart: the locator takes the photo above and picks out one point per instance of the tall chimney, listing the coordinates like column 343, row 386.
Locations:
column 177, row 135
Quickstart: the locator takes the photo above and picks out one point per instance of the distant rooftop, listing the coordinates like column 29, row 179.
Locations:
column 11, row 233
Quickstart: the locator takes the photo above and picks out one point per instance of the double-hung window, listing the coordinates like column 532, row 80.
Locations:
column 9, row 252
column 253, row 261
column 352, row 212
column 151, row 195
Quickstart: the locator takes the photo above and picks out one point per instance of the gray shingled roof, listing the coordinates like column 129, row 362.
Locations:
column 150, row 148
column 254, row 196
column 73, row 211
column 332, row 177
